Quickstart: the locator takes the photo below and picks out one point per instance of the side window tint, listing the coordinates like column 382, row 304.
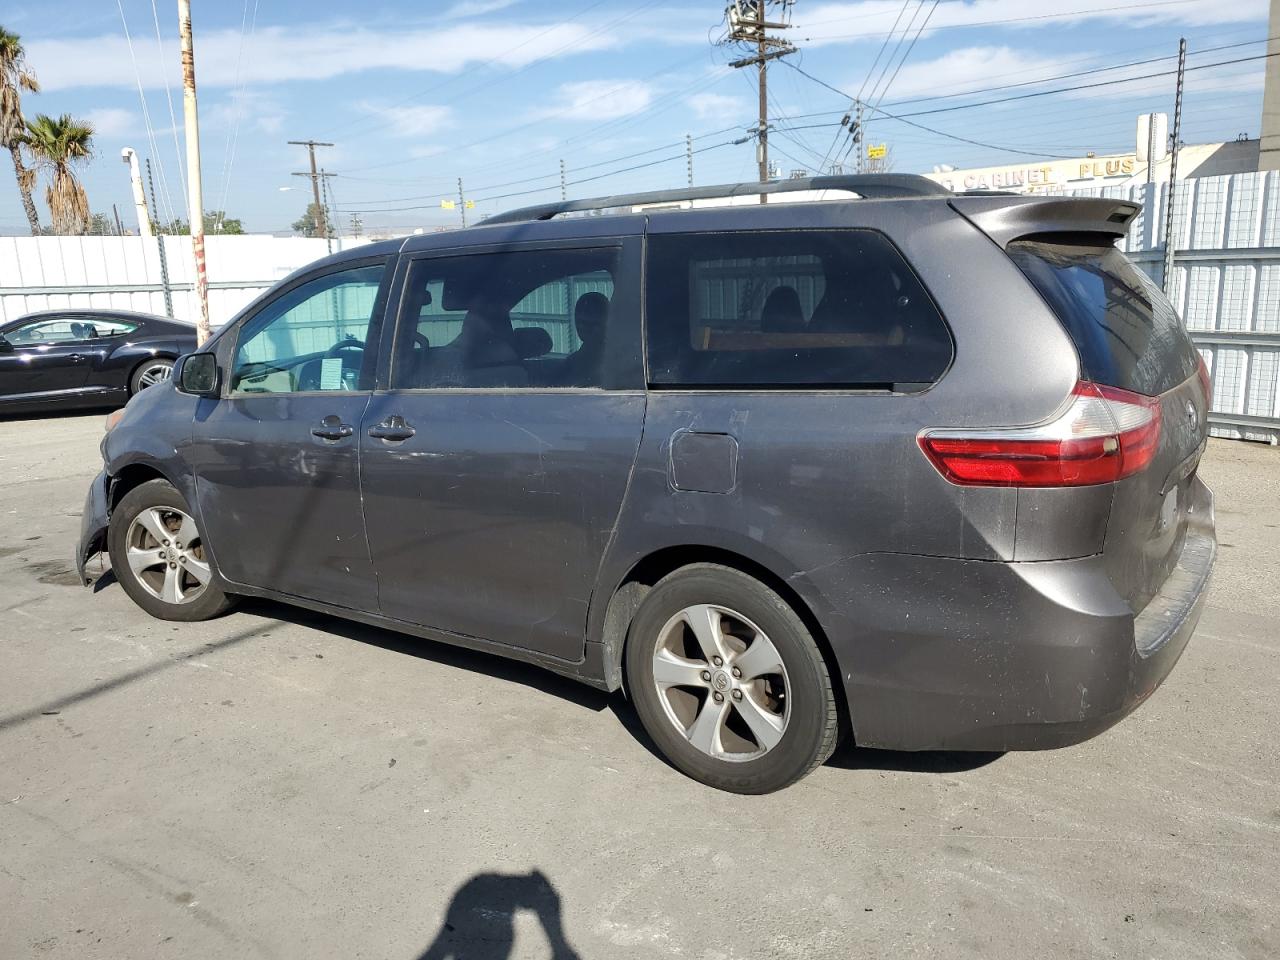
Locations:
column 536, row 318
column 312, row 338
column 48, row 332
column 821, row 308
column 113, row 328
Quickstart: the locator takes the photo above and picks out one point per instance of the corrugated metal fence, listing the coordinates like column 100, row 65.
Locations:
column 1225, row 285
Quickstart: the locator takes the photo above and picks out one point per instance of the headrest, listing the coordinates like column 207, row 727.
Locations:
column 782, row 311
column 589, row 316
column 532, row 342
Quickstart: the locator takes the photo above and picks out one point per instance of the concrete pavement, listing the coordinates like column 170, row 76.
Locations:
column 281, row 784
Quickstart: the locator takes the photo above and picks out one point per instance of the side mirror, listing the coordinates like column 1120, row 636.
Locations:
column 198, row 375
column 5, row 345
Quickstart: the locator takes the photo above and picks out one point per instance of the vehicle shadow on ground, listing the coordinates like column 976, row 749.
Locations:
column 848, row 756
column 480, row 921
column 475, row 661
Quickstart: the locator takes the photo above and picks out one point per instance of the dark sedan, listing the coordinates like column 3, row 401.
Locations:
column 85, row 357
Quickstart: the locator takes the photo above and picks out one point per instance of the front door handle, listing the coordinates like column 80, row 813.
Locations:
column 332, row 428
column 394, row 427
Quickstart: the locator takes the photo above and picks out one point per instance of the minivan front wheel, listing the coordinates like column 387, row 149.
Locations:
column 728, row 681
column 158, row 555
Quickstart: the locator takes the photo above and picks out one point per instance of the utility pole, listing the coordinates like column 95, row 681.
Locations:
column 135, row 181
column 329, row 232
column 357, row 225
column 748, row 26
column 164, row 257
column 1173, row 168
column 564, row 192
column 322, row 229
column 195, row 201
column 119, row 225
column 462, row 202
column 859, row 139
column 688, row 155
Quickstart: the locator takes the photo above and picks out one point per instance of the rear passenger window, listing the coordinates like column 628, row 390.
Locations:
column 826, row 308
column 532, row 318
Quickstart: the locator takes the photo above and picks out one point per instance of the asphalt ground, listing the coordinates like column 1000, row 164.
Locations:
column 278, row 783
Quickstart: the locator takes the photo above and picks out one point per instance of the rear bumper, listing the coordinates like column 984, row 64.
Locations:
column 973, row 655
column 93, row 524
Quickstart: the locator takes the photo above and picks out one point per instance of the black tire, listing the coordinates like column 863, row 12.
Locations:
column 811, row 727
column 140, row 378
column 160, row 495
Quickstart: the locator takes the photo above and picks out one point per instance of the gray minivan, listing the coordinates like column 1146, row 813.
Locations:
column 909, row 466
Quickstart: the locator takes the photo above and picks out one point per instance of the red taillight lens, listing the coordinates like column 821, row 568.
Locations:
column 1105, row 434
column 1205, row 382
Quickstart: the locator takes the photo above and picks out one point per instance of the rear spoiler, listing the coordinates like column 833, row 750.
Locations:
column 1005, row 219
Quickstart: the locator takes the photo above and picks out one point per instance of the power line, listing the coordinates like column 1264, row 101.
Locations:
column 904, row 118
column 682, row 155
column 146, row 114
column 985, row 23
column 168, row 95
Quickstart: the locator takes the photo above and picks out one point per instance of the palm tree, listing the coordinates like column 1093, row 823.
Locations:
column 55, row 145
column 14, row 78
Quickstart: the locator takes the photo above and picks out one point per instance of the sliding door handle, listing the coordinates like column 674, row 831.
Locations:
column 332, row 428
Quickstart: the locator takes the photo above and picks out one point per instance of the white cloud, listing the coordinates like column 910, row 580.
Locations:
column 871, row 20
column 251, row 109
column 277, row 54
column 716, row 105
column 972, row 68
column 476, row 8
column 406, row 120
column 599, row 100
column 112, row 122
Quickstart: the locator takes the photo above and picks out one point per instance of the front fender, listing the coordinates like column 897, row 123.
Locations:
column 93, row 523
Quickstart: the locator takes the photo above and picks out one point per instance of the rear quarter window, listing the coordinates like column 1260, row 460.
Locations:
column 800, row 308
column 1125, row 331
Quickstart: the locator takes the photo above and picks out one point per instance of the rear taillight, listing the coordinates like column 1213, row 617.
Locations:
column 1205, row 382
column 1104, row 434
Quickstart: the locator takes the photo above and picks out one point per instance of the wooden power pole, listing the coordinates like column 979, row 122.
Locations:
column 322, row 228
column 748, row 26
column 195, row 199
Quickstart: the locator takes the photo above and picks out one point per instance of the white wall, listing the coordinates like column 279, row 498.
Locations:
column 39, row 273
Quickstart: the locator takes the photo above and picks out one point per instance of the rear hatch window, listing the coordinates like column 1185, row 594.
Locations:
column 1125, row 330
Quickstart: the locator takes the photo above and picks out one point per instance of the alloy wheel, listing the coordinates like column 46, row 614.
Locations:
column 166, row 555
column 154, row 373
column 721, row 683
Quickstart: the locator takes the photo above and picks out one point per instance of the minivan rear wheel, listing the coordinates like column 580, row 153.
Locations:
column 728, row 681
column 159, row 557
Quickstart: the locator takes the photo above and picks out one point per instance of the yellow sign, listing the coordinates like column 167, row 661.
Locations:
column 877, row 151
column 447, row 205
column 471, row 204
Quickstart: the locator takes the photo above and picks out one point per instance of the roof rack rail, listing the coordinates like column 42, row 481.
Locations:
column 870, row 186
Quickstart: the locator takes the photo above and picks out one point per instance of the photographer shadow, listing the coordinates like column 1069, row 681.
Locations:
column 480, row 921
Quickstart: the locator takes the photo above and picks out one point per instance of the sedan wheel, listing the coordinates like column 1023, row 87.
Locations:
column 151, row 373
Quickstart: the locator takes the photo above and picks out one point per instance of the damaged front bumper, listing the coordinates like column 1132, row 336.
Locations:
column 93, row 523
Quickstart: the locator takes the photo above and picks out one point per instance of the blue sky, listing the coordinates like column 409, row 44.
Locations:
column 415, row 95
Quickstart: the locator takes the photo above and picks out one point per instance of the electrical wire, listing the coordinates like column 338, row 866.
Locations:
column 146, row 117
column 168, row 95
column 233, row 138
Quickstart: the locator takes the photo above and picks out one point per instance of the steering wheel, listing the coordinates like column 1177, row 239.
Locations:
column 337, row 348
column 420, row 342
